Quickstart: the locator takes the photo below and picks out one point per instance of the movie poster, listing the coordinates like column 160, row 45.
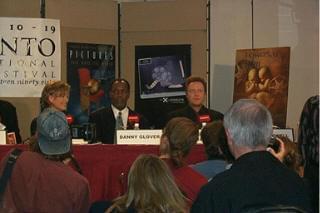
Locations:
column 161, row 77
column 161, row 71
column 90, row 71
column 263, row 74
column 30, row 55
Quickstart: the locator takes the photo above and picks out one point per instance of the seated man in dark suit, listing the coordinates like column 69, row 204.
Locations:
column 109, row 119
column 8, row 117
column 196, row 90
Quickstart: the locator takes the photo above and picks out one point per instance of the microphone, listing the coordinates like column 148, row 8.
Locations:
column 134, row 119
column 204, row 118
column 70, row 119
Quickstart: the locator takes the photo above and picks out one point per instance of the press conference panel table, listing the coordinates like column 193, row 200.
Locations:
column 106, row 166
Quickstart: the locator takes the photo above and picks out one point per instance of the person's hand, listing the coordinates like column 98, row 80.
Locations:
column 281, row 153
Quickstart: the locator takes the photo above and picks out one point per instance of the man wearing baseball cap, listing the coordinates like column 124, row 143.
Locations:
column 40, row 180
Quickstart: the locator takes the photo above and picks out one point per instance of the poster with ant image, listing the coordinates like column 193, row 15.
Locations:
column 263, row 74
column 90, row 71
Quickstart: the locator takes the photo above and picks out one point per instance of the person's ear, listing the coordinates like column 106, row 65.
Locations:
column 51, row 98
column 164, row 144
column 230, row 142
column 229, row 138
column 164, row 140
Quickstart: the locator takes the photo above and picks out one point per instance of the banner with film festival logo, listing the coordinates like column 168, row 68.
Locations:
column 30, row 55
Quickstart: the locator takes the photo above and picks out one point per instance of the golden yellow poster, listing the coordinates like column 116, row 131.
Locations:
column 263, row 74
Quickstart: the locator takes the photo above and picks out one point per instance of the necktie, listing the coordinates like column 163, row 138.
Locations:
column 119, row 122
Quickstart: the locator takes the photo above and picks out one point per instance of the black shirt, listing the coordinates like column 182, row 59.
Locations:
column 8, row 116
column 256, row 179
column 188, row 112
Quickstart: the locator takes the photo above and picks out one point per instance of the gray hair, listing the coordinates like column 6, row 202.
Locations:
column 249, row 123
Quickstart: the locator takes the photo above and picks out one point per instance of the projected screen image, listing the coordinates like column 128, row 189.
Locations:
column 161, row 77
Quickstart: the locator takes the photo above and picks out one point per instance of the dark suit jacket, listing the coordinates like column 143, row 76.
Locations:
column 188, row 112
column 105, row 123
column 8, row 116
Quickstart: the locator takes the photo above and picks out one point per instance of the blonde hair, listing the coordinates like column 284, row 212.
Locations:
column 182, row 133
column 53, row 88
column 151, row 188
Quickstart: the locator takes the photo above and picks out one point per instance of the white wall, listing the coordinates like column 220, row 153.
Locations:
column 277, row 23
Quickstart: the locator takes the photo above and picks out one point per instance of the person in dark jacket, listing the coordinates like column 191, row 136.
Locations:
column 8, row 117
column 256, row 178
column 116, row 116
column 196, row 90
column 309, row 145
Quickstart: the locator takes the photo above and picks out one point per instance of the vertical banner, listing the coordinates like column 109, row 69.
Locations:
column 161, row 71
column 263, row 74
column 90, row 71
column 30, row 55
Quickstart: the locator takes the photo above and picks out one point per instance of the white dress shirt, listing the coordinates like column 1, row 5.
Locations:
column 124, row 115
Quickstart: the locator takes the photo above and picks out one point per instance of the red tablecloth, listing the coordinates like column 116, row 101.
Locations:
column 106, row 166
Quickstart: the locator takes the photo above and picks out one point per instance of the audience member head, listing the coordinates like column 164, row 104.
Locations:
column 151, row 188
column 119, row 93
column 287, row 152
column 248, row 126
column 55, row 94
column 53, row 138
column 196, row 89
column 179, row 135
column 215, row 141
column 290, row 154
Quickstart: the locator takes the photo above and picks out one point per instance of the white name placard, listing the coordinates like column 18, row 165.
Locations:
column 79, row 141
column 143, row 136
column 3, row 137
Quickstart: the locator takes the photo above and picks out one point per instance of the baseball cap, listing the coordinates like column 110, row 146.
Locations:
column 53, row 132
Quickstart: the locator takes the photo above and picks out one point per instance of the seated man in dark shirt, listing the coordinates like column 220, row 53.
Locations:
column 8, row 117
column 116, row 116
column 256, row 179
column 196, row 90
